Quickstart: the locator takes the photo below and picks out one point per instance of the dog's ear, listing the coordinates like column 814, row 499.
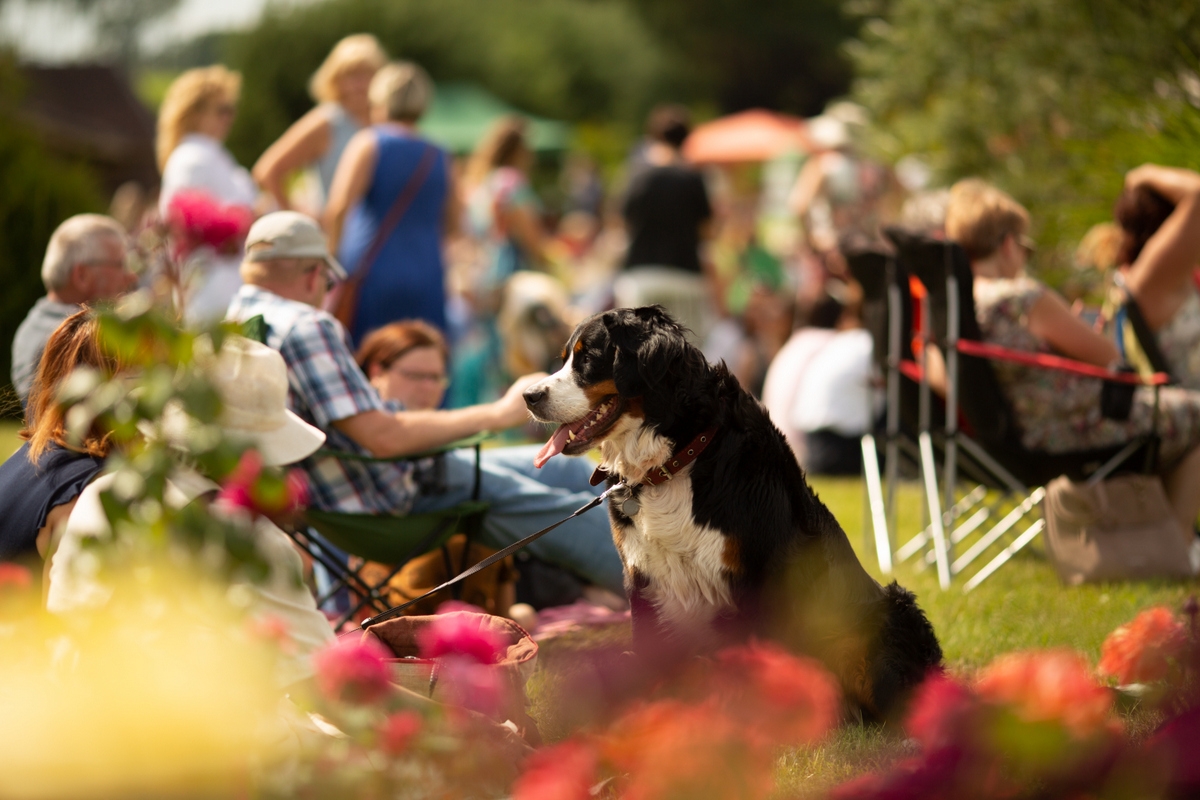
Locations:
column 625, row 333
column 651, row 352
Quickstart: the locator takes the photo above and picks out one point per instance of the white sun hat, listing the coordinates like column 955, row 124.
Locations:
column 252, row 382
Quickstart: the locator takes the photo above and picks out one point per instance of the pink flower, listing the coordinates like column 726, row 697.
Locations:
column 1141, row 651
column 14, row 577
column 563, row 772
column 197, row 220
column 398, row 730
column 461, row 634
column 790, row 699
column 263, row 492
column 353, row 672
column 1051, row 685
column 941, row 712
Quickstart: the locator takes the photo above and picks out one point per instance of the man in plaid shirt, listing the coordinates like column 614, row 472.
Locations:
column 288, row 272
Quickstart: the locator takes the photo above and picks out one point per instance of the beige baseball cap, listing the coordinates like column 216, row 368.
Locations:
column 289, row 234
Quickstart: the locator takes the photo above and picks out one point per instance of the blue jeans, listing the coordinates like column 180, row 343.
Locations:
column 525, row 499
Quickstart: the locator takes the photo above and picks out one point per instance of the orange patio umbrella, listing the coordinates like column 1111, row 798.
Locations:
column 755, row 135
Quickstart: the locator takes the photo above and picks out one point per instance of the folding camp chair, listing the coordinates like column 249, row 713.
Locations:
column 328, row 537
column 995, row 441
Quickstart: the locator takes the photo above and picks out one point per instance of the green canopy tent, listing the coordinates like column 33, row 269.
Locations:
column 461, row 114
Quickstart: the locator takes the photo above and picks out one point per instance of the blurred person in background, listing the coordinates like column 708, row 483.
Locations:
column 193, row 123
column 393, row 248
column 40, row 483
column 341, row 88
column 1159, row 216
column 1060, row 412
column 85, row 262
column 667, row 215
column 503, row 217
column 407, row 362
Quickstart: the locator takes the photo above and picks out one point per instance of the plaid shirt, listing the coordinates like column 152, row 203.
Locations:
column 324, row 386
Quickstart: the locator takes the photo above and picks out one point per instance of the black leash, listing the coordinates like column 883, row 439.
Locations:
column 487, row 562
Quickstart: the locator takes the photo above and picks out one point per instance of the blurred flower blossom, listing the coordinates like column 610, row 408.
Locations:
column 671, row 749
column 563, row 772
column 1051, row 686
column 353, row 672
column 197, row 220
column 273, row 629
column 461, row 634
column 398, row 730
column 263, row 492
column 1142, row 650
column 941, row 712
column 14, row 577
column 789, row 699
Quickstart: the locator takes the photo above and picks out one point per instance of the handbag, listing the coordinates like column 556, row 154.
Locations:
column 1122, row 528
column 342, row 302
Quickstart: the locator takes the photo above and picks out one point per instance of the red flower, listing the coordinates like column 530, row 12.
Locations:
column 461, row 634
column 353, row 672
column 398, row 730
column 791, row 700
column 563, row 772
column 261, row 492
column 1053, row 685
column 14, row 577
column 941, row 711
column 673, row 750
column 1141, row 651
column 197, row 220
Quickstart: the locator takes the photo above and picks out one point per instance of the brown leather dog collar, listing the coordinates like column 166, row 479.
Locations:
column 664, row 472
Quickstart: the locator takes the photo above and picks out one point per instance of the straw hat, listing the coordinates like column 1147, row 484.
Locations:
column 252, row 381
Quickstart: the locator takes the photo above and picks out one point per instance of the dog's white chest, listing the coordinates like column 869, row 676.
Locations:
column 683, row 561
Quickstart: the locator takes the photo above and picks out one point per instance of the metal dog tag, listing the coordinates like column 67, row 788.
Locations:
column 630, row 506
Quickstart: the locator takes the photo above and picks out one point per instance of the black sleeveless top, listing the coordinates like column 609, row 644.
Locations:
column 28, row 492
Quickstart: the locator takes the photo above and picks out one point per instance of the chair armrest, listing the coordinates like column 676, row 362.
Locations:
column 995, row 352
column 470, row 441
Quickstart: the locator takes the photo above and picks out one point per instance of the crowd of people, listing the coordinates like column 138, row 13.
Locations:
column 405, row 290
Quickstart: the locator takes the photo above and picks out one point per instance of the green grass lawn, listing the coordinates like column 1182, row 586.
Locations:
column 1022, row 606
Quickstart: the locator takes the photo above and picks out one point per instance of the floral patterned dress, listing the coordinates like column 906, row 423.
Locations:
column 1179, row 341
column 1059, row 412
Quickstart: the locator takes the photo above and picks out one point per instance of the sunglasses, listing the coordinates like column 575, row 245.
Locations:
column 330, row 280
column 225, row 110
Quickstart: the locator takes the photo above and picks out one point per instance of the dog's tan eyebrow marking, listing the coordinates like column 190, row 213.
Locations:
column 563, row 354
column 578, row 346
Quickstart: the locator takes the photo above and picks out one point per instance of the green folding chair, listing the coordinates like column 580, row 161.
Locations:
column 328, row 536
column 393, row 540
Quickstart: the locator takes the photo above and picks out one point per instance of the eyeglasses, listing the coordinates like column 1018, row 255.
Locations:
column 330, row 280
column 423, row 377
column 225, row 110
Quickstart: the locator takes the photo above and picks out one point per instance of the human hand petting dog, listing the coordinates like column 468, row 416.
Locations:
column 511, row 407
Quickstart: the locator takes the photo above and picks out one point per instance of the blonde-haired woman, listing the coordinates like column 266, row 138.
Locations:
column 398, row 184
column 194, row 121
column 340, row 87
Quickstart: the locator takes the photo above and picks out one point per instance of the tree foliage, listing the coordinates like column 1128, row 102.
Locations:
column 559, row 58
column 37, row 192
column 1053, row 101
column 779, row 54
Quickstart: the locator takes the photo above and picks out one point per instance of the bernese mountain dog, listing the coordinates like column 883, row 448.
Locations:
column 721, row 537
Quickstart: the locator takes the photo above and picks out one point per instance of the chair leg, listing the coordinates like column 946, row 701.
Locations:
column 1000, row 560
column 874, row 494
column 1002, row 527
column 934, row 503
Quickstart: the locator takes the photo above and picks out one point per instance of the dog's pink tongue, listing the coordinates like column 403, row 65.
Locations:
column 553, row 447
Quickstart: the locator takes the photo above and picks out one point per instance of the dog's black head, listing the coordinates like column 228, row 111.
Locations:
column 629, row 366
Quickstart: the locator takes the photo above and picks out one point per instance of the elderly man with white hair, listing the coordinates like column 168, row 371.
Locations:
column 84, row 262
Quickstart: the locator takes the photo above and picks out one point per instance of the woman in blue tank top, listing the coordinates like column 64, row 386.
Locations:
column 403, row 184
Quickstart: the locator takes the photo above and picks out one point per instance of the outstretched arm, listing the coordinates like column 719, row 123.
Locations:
column 350, row 183
column 303, row 143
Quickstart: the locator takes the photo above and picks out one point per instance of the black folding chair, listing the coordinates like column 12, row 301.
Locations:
column 994, row 445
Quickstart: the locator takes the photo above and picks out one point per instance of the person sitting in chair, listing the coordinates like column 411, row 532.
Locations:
column 1059, row 412
column 287, row 272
